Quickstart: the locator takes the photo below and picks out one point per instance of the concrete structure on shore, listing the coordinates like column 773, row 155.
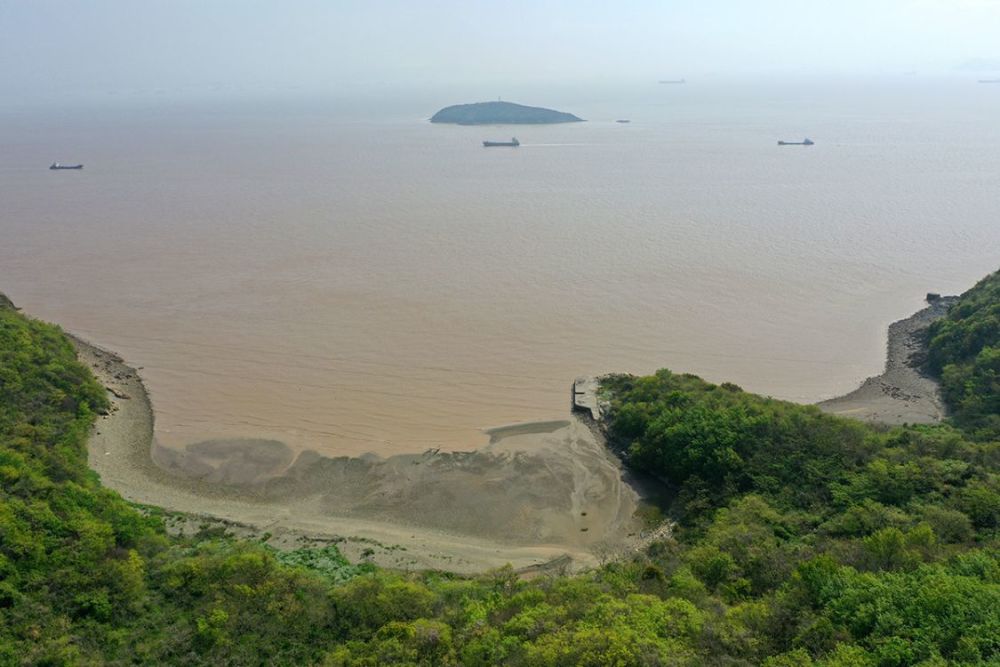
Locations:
column 585, row 397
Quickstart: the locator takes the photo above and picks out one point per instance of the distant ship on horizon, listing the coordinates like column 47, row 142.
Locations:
column 57, row 165
column 672, row 81
column 805, row 142
column 514, row 143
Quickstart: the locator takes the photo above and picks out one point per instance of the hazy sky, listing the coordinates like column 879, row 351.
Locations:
column 58, row 46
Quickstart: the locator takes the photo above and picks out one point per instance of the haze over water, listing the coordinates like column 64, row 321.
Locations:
column 343, row 276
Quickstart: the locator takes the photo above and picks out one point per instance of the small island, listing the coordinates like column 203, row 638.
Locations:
column 501, row 113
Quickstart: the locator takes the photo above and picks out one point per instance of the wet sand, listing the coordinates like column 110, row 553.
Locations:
column 537, row 493
column 902, row 394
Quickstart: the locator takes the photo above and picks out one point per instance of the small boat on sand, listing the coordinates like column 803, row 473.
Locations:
column 513, row 143
column 805, row 142
column 58, row 165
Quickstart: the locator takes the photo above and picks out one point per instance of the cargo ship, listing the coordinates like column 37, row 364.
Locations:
column 57, row 165
column 513, row 143
column 805, row 142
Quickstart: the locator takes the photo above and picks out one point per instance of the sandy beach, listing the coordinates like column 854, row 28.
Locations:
column 537, row 493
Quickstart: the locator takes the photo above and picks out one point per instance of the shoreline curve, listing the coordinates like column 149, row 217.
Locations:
column 902, row 393
column 291, row 508
column 392, row 512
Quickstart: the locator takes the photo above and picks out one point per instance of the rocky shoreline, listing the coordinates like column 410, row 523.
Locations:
column 903, row 393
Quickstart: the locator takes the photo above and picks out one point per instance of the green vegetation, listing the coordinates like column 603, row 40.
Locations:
column 327, row 561
column 715, row 443
column 803, row 539
column 964, row 351
column 823, row 540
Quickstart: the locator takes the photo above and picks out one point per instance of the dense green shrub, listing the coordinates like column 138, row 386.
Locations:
column 964, row 351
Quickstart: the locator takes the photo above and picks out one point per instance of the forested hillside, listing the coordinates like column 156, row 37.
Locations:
column 802, row 539
column 964, row 352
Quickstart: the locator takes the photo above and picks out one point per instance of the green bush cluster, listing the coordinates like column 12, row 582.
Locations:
column 964, row 351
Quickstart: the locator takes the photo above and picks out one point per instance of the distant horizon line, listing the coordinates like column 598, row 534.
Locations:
column 180, row 91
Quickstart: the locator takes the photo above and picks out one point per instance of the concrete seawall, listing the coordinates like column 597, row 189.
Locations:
column 585, row 397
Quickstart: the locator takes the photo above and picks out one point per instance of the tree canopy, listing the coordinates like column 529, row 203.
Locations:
column 964, row 351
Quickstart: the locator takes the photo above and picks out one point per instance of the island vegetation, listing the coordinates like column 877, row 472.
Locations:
column 501, row 113
column 801, row 539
